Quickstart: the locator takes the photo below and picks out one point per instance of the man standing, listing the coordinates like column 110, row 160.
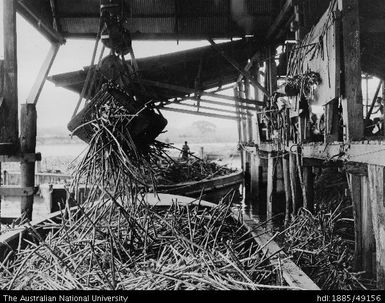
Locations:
column 185, row 151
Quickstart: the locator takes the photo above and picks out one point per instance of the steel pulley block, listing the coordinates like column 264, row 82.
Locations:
column 114, row 35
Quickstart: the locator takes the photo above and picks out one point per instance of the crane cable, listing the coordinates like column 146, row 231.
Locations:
column 89, row 72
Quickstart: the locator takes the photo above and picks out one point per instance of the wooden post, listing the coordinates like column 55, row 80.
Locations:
column 1, row 82
column 383, row 115
column 279, row 178
column 271, row 79
column 255, row 176
column 249, row 113
column 367, row 235
column 352, row 95
column 9, row 127
column 257, row 96
column 308, row 180
column 1, row 183
column 355, row 192
column 377, row 199
column 246, row 159
column 270, row 181
column 300, row 178
column 241, row 88
column 293, row 183
column 331, row 122
column 286, row 181
column 238, row 114
column 299, row 33
column 27, row 145
column 297, row 19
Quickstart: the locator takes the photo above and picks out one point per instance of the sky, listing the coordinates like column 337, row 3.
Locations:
column 56, row 105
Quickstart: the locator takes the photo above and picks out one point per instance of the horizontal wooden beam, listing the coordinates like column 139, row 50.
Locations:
column 242, row 71
column 17, row 191
column 367, row 152
column 202, row 93
column 292, row 274
column 46, row 29
column 184, row 111
column 354, row 168
column 205, row 108
column 280, row 19
column 218, row 103
column 21, row 157
column 171, row 15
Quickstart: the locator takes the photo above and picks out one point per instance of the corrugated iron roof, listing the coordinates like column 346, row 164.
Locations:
column 180, row 68
column 174, row 19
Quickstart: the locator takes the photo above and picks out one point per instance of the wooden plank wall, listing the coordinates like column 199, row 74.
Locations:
column 376, row 185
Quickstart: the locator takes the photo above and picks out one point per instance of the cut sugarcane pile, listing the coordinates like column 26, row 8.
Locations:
column 118, row 244
column 185, row 171
column 323, row 254
column 122, row 149
column 322, row 243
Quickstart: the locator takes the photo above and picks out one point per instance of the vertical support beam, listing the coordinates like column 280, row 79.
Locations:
column 368, row 239
column 279, row 182
column 255, row 176
column 352, row 94
column 241, row 90
column 297, row 20
column 270, row 186
column 331, row 121
column 286, row 181
column 43, row 73
column 245, row 156
column 272, row 71
column 271, row 79
column 302, row 120
column 293, row 183
column 9, row 127
column 238, row 115
column 1, row 82
column 308, row 180
column 27, row 145
column 257, row 95
column 355, row 192
column 301, row 179
column 377, row 196
column 1, row 183
column 250, row 135
column 383, row 114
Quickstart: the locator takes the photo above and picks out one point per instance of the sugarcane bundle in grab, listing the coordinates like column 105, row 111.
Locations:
column 121, row 135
